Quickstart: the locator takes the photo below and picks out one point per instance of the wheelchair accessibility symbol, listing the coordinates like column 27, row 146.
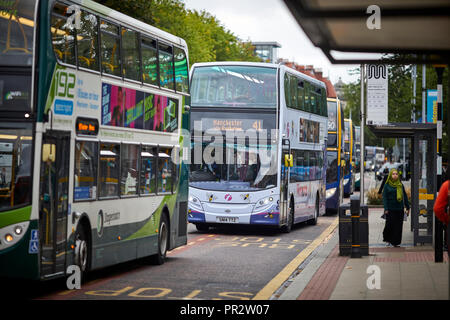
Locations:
column 34, row 242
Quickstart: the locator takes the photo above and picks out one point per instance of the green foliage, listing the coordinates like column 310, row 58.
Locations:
column 207, row 39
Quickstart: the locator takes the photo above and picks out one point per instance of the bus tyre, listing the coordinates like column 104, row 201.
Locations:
column 81, row 251
column 201, row 227
column 290, row 219
column 163, row 241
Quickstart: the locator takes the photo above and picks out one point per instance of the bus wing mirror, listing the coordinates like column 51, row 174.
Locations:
column 48, row 152
column 288, row 160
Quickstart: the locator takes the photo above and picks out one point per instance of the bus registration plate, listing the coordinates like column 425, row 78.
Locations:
column 227, row 219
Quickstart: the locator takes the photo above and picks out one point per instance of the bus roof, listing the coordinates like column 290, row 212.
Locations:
column 131, row 22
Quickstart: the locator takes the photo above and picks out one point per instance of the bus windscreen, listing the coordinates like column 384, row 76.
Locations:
column 16, row 38
column 234, row 86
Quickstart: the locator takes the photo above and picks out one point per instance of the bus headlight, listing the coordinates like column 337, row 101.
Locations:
column 263, row 203
column 346, row 181
column 331, row 192
column 194, row 203
column 18, row 230
column 8, row 238
column 12, row 234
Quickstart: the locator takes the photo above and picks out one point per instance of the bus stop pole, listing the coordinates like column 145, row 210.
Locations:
column 361, row 135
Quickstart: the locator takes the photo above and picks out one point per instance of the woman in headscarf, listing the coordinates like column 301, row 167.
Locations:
column 395, row 201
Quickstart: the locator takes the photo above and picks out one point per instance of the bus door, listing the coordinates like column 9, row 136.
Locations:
column 284, row 196
column 53, row 202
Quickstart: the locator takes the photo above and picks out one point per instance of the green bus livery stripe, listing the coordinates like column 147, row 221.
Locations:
column 14, row 216
column 152, row 224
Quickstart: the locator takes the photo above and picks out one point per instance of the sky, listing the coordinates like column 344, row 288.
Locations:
column 270, row 20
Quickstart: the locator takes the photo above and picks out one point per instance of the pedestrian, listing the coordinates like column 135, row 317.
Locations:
column 441, row 209
column 395, row 201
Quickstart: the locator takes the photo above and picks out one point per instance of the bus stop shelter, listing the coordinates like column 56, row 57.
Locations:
column 422, row 190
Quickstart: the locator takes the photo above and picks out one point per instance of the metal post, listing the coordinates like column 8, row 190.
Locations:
column 355, row 214
column 439, row 229
column 362, row 125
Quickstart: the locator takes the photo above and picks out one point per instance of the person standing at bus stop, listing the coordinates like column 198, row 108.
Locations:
column 395, row 201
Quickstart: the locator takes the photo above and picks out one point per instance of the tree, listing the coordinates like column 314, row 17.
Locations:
column 206, row 38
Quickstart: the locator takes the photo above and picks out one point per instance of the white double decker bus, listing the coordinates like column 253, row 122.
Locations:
column 258, row 145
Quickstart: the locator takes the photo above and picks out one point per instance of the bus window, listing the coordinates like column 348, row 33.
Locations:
column 287, row 90
column 17, row 28
column 86, row 155
column 181, row 70
column 149, row 61
column 63, row 35
column 87, row 41
column 110, row 44
column 166, row 66
column 324, row 103
column 129, row 169
column 306, row 165
column 300, row 94
column 312, row 165
column 109, row 170
column 148, row 170
column 130, row 50
column 320, row 164
column 307, row 97
column 293, row 92
column 164, row 171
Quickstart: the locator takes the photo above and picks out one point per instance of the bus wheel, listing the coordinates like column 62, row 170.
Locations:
column 81, row 250
column 163, row 241
column 290, row 221
column 202, row 227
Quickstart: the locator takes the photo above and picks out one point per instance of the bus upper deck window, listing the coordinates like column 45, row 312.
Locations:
column 110, row 44
column 166, row 66
column 149, row 61
column 63, row 35
column 87, row 41
column 131, row 61
column 181, row 70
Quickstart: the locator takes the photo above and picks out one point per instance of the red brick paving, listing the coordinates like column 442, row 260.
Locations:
column 324, row 280
column 406, row 255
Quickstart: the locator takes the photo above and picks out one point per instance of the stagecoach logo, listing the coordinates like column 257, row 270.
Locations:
column 245, row 197
column 228, row 197
column 211, row 197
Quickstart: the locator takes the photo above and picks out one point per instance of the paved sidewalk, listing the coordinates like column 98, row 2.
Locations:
column 406, row 273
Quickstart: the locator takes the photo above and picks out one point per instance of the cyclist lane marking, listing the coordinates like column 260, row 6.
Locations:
column 270, row 288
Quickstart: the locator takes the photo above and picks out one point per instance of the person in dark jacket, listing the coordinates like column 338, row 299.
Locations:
column 395, row 201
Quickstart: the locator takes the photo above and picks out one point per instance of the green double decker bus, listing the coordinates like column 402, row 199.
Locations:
column 93, row 104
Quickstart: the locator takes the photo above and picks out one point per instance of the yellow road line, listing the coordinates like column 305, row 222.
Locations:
column 280, row 278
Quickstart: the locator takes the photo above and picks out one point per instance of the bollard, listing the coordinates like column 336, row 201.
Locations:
column 355, row 213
